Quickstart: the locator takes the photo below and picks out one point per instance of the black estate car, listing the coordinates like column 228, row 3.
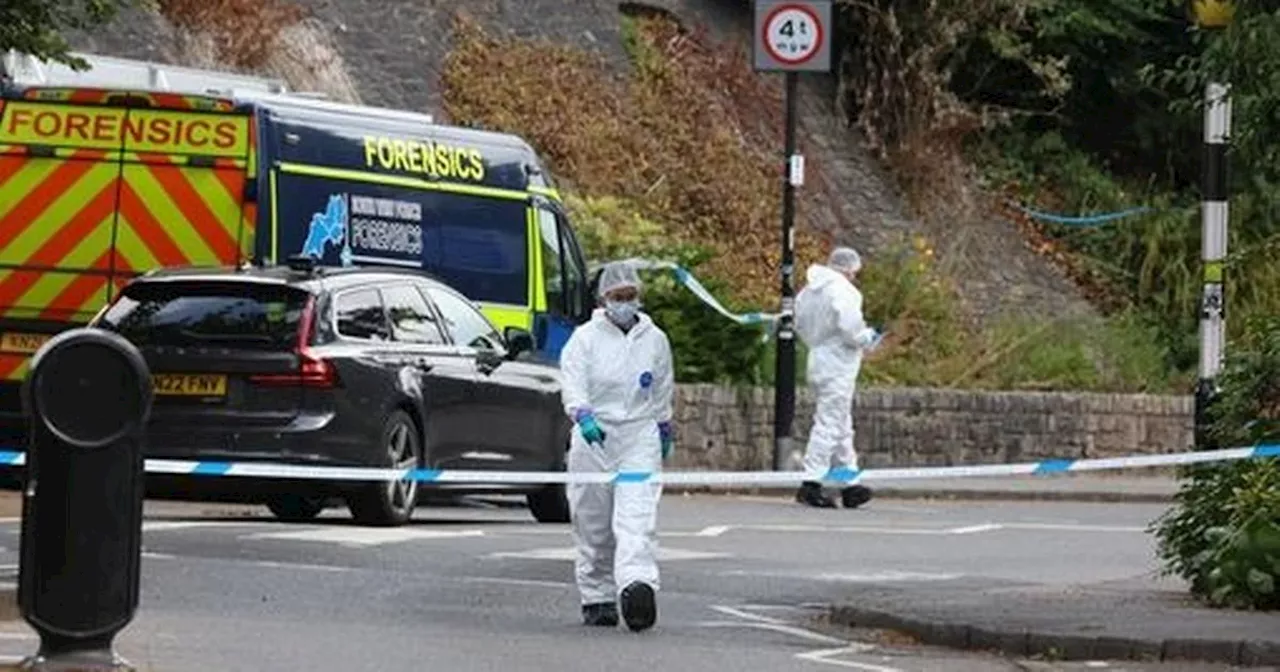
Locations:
column 369, row 367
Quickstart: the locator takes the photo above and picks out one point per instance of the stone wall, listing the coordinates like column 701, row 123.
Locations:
column 723, row 428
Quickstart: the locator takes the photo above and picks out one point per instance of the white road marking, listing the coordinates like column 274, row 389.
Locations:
column 665, row 554
column 713, row 531
column 972, row 529
column 158, row 556
column 843, row 577
column 292, row 565
column 759, row 618
column 823, row 656
column 365, row 536
column 1073, row 527
column 162, row 525
column 517, row 582
column 18, row 636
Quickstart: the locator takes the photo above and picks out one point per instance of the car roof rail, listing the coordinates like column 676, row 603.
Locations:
column 304, row 264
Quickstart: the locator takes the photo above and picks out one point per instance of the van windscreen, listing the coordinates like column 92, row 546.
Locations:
column 212, row 314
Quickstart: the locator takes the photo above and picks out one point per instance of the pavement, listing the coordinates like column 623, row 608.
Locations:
column 903, row 585
column 1154, row 486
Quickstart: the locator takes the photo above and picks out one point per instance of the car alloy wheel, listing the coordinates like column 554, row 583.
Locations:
column 402, row 451
column 391, row 503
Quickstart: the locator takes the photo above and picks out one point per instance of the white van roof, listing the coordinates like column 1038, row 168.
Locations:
column 111, row 72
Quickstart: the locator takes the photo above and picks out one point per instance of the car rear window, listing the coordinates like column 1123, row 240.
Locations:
column 239, row 314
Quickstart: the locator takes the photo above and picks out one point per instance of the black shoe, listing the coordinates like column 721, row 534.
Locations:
column 639, row 608
column 601, row 614
column 811, row 494
column 854, row 496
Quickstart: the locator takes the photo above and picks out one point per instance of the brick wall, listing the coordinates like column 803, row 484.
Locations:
column 723, row 428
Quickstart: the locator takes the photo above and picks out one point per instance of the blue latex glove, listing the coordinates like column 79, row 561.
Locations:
column 590, row 429
column 668, row 438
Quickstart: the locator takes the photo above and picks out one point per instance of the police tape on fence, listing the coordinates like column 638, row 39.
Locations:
column 274, row 470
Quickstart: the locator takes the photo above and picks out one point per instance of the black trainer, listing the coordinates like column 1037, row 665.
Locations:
column 639, row 606
column 811, row 494
column 601, row 614
column 855, row 495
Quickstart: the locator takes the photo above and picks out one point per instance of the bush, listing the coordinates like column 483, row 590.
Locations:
column 706, row 347
column 1223, row 533
column 689, row 138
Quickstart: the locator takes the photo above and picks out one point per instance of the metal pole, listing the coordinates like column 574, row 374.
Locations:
column 1213, row 249
column 785, row 380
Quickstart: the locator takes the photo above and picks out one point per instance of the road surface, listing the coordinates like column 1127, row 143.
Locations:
column 482, row 587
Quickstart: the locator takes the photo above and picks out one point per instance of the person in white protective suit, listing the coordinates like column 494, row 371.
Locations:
column 828, row 318
column 618, row 387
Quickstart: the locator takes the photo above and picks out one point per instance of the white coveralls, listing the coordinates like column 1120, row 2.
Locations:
column 829, row 319
column 627, row 381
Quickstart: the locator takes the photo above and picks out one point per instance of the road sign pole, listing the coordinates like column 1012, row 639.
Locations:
column 784, row 393
column 1214, row 215
column 790, row 37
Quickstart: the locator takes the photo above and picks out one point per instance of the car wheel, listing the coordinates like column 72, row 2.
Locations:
column 550, row 504
column 295, row 508
column 391, row 503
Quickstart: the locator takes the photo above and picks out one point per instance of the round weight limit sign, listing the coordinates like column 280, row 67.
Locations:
column 792, row 34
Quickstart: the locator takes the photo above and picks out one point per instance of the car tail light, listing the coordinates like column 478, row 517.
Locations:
column 313, row 371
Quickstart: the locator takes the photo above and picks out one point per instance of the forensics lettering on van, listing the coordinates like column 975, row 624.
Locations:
column 118, row 129
column 438, row 160
column 384, row 226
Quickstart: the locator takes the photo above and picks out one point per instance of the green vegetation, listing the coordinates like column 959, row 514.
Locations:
column 1084, row 107
column 35, row 26
column 1223, row 534
column 1091, row 106
column 678, row 161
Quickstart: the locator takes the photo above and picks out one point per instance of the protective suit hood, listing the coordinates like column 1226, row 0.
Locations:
column 819, row 276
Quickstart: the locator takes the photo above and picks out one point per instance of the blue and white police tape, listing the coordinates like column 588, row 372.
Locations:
column 1081, row 220
column 688, row 281
column 273, row 470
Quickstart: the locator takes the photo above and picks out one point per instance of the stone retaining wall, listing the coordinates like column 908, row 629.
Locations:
column 724, row 428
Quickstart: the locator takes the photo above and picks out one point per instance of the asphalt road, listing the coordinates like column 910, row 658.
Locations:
column 483, row 587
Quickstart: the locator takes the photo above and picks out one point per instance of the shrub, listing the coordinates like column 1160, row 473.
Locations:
column 706, row 347
column 1223, row 533
column 688, row 137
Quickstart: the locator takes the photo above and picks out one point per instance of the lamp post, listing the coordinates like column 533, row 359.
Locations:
column 1214, row 15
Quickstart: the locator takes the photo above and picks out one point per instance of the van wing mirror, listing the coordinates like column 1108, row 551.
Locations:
column 518, row 341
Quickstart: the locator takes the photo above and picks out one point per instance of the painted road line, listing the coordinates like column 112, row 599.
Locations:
column 885, row 576
column 822, row 656
column 291, row 566
column 530, row 583
column 826, row 657
column 364, row 536
column 665, row 554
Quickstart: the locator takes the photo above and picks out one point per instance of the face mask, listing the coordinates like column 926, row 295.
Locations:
column 622, row 312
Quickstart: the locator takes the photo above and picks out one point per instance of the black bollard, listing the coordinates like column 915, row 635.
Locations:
column 87, row 398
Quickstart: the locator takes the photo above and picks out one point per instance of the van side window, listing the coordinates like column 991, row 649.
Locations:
column 552, row 271
column 360, row 315
column 577, row 304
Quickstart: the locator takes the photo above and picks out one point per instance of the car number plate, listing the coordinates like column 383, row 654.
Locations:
column 24, row 344
column 190, row 384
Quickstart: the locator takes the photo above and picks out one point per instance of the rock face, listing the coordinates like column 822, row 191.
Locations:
column 389, row 53
column 722, row 428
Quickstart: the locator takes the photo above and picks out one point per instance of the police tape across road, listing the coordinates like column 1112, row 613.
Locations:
column 274, row 470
